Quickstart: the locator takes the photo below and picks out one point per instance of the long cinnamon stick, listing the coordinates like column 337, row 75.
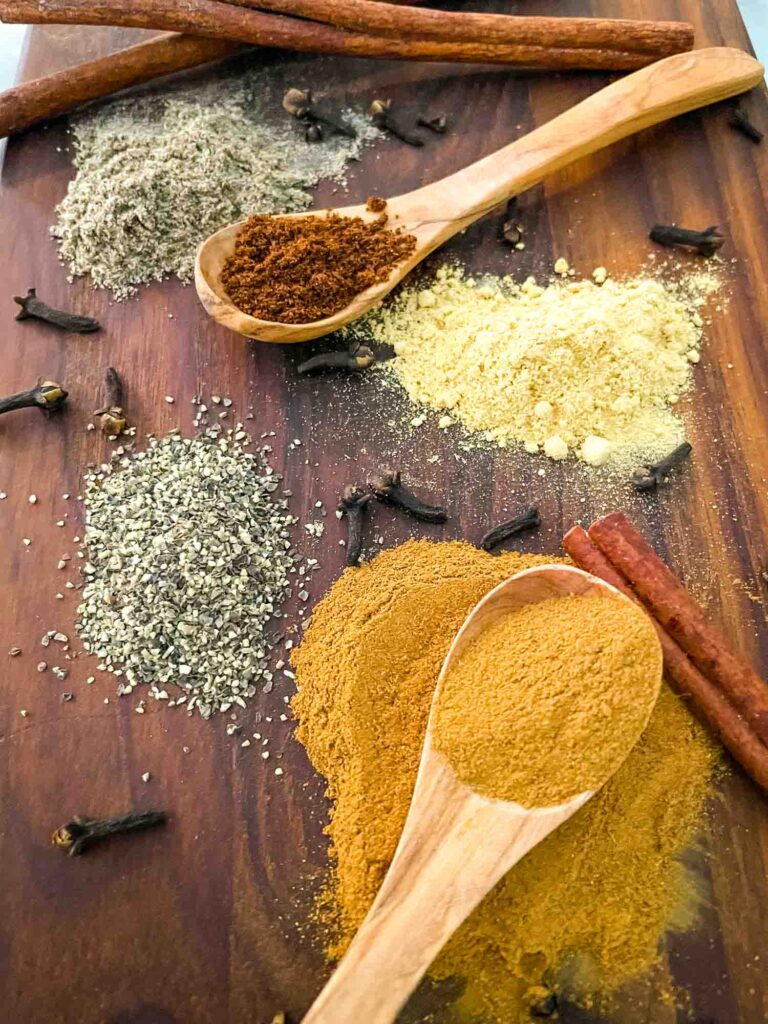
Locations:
column 683, row 618
column 710, row 704
column 31, row 102
column 34, row 101
column 217, row 20
column 660, row 38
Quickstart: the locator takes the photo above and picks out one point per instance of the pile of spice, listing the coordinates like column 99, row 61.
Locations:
column 546, row 702
column 573, row 368
column 585, row 911
column 189, row 557
column 158, row 173
column 298, row 270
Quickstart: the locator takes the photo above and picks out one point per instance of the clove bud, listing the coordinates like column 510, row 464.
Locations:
column 511, row 231
column 648, row 479
column 300, row 104
column 359, row 358
column 383, row 118
column 706, row 242
column 47, row 396
column 113, row 421
column 527, row 520
column 387, row 488
column 80, row 833
column 32, row 307
column 352, row 508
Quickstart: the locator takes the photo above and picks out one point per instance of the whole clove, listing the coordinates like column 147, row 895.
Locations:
column 706, row 242
column 511, row 230
column 739, row 120
column 32, row 307
column 80, row 833
column 527, row 520
column 383, row 118
column 648, row 479
column 48, row 396
column 387, row 488
column 352, row 508
column 299, row 103
column 359, row 358
column 438, row 124
column 113, row 421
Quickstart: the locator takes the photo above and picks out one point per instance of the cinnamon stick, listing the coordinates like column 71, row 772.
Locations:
column 34, row 101
column 217, row 20
column 712, row 707
column 660, row 38
column 683, row 618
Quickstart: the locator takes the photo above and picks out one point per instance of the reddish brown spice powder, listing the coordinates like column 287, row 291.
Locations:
column 295, row 270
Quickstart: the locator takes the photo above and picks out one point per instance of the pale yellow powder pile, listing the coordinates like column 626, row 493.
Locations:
column 574, row 368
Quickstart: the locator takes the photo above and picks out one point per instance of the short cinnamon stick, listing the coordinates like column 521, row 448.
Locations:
column 683, row 618
column 34, row 101
column 217, row 20
column 712, row 707
column 660, row 38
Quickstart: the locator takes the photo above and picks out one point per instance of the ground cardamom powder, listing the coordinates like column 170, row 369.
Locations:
column 587, row 909
column 546, row 702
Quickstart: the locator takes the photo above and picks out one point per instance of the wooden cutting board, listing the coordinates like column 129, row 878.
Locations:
column 201, row 924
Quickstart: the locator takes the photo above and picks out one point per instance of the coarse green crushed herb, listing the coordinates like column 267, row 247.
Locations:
column 158, row 173
column 189, row 558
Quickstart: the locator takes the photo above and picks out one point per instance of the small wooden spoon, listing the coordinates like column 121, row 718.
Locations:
column 455, row 844
column 437, row 212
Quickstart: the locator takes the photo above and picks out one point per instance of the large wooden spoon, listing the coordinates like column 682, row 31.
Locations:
column 455, row 844
column 437, row 212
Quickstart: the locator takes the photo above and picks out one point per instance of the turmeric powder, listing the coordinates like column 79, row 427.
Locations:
column 548, row 699
column 583, row 912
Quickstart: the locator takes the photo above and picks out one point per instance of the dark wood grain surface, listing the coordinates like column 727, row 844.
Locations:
column 203, row 923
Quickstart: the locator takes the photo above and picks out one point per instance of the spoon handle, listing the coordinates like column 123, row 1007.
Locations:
column 663, row 90
column 454, row 848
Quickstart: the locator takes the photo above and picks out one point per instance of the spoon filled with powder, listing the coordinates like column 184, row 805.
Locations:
column 546, row 688
column 290, row 279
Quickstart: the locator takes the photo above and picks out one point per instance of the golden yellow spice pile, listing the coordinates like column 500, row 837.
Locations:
column 563, row 369
column 545, row 703
column 585, row 911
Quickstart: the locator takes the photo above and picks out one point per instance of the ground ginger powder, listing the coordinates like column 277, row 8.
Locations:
column 546, row 702
column 569, row 368
column 583, row 912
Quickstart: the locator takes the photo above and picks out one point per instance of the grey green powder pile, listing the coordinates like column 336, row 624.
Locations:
column 158, row 173
column 189, row 558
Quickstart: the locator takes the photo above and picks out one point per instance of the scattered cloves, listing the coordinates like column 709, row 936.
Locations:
column 511, row 230
column 383, row 118
column 705, row 242
column 359, row 358
column 47, row 396
column 648, row 479
column 386, row 487
column 300, row 104
column 740, row 121
column 527, row 520
column 438, row 124
column 352, row 507
column 32, row 307
column 113, row 421
column 77, row 835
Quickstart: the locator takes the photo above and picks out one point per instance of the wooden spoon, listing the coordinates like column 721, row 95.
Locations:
column 437, row 212
column 455, row 845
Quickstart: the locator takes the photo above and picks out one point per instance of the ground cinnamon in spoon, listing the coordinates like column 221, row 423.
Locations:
column 296, row 270
column 548, row 699
column 586, row 910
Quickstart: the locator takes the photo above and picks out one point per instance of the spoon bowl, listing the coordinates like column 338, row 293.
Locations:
column 438, row 211
column 455, row 845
